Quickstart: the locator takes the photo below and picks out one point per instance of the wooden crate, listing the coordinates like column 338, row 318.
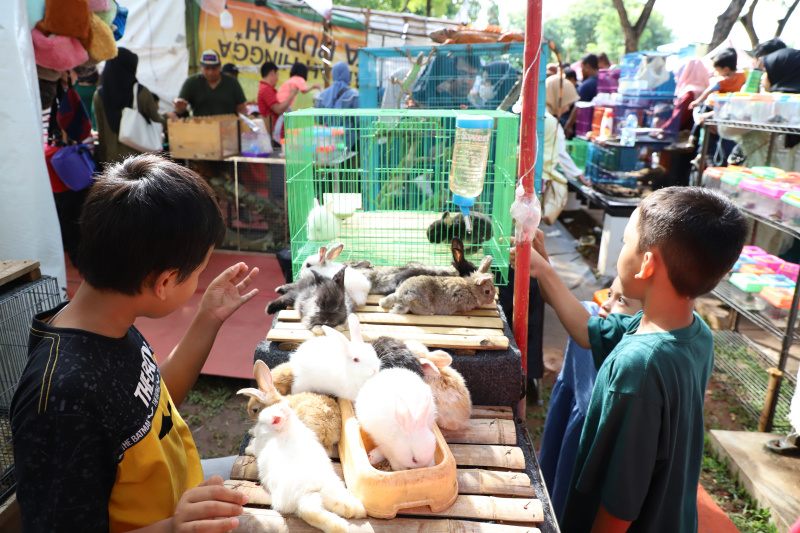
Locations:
column 22, row 270
column 214, row 138
column 479, row 329
column 492, row 485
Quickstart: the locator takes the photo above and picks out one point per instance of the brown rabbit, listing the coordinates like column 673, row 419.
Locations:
column 428, row 295
column 282, row 378
column 450, row 392
column 319, row 412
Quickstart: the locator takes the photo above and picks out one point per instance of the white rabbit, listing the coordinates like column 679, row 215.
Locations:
column 356, row 284
column 396, row 408
column 334, row 365
column 322, row 224
column 294, row 468
column 450, row 392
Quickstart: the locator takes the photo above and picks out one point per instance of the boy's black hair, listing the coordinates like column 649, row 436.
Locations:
column 591, row 60
column 145, row 216
column 570, row 74
column 698, row 232
column 767, row 47
column 299, row 69
column 268, row 67
column 726, row 58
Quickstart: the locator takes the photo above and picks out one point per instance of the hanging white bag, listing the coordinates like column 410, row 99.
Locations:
column 137, row 131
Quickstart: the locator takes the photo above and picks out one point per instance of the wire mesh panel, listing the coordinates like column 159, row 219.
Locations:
column 17, row 307
column 478, row 76
column 380, row 195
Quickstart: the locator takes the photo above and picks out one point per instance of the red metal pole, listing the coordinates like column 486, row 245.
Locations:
column 527, row 161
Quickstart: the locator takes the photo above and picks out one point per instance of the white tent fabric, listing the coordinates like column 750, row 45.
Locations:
column 156, row 32
column 28, row 221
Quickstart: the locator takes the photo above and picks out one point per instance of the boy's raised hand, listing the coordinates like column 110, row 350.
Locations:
column 538, row 253
column 201, row 509
column 228, row 292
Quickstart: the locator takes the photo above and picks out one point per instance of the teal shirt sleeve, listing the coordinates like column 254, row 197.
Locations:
column 605, row 334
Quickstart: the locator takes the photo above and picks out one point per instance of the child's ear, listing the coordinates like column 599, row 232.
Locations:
column 164, row 282
column 648, row 266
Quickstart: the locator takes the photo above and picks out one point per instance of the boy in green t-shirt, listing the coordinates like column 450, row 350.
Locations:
column 639, row 458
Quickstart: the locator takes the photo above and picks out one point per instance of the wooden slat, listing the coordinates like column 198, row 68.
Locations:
column 470, row 506
column 474, row 312
column 412, row 320
column 508, row 457
column 437, row 341
column 383, row 329
column 14, row 269
column 470, row 480
column 256, row 520
column 484, row 431
column 484, row 411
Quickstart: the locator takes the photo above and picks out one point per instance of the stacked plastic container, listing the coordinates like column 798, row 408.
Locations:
column 608, row 80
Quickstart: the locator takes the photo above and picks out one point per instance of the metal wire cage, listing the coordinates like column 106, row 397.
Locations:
column 439, row 77
column 17, row 308
column 376, row 180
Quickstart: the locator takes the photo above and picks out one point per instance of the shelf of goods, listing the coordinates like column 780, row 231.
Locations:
column 742, row 361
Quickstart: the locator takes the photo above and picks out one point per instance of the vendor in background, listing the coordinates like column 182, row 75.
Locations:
column 268, row 104
column 587, row 89
column 340, row 96
column 86, row 87
column 209, row 92
column 602, row 61
column 693, row 81
column 765, row 48
column 560, row 95
column 114, row 95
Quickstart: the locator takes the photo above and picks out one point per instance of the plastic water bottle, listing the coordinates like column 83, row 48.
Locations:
column 470, row 155
column 628, row 133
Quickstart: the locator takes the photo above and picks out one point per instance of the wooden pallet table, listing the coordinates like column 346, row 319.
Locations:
column 479, row 329
column 19, row 270
column 495, row 492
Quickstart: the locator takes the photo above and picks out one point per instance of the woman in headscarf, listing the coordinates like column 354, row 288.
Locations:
column 693, row 78
column 114, row 95
column 340, row 96
column 782, row 71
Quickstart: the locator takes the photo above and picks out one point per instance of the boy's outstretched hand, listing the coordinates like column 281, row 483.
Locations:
column 538, row 254
column 201, row 509
column 228, row 292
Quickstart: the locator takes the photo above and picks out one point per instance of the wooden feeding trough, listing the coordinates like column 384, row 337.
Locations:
column 479, row 329
column 495, row 494
column 385, row 493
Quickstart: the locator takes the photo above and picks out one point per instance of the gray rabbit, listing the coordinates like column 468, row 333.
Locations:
column 386, row 279
column 428, row 295
column 319, row 300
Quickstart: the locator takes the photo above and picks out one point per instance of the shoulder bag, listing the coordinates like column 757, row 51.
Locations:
column 137, row 131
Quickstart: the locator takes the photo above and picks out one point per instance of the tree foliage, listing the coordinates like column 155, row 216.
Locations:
column 493, row 14
column 439, row 8
column 594, row 26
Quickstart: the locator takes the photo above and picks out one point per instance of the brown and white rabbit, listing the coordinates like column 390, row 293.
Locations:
column 282, row 378
column 428, row 295
column 453, row 401
column 293, row 467
column 319, row 412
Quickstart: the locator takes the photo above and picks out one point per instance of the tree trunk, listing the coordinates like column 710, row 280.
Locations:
column 725, row 22
column 782, row 22
column 747, row 22
column 633, row 32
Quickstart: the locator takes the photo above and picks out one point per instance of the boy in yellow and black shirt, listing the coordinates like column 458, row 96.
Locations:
column 98, row 441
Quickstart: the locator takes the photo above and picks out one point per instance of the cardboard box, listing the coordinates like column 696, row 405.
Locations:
column 212, row 138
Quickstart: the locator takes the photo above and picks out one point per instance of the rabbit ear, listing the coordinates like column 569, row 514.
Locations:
column 332, row 333
column 335, row 251
column 316, row 202
column 318, row 278
column 486, row 264
column 322, row 251
column 279, row 416
column 440, row 358
column 355, row 328
column 423, row 408
column 429, row 367
column 457, row 248
column 263, row 376
column 338, row 278
column 254, row 393
column 403, row 414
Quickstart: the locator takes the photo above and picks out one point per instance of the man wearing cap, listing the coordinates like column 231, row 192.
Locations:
column 231, row 70
column 209, row 92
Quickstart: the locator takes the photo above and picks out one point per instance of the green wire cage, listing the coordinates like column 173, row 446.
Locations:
column 376, row 180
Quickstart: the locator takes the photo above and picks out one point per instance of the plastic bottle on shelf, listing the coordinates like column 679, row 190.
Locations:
column 470, row 155
column 607, row 124
column 628, row 131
